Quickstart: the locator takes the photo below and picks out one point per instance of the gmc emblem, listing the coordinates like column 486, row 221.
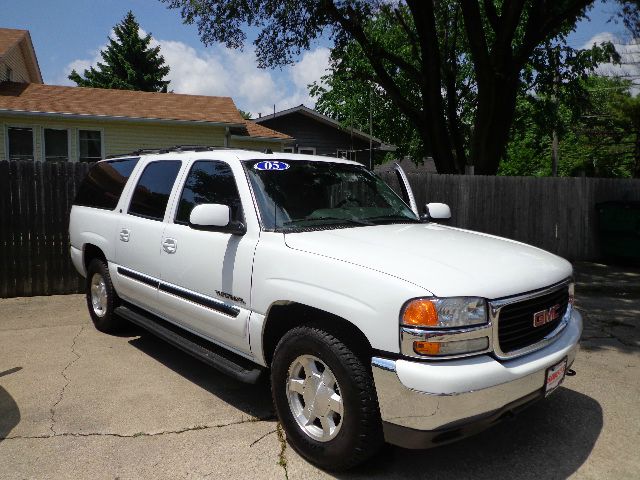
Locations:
column 545, row 316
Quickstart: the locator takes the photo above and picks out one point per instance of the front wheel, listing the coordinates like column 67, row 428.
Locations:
column 325, row 399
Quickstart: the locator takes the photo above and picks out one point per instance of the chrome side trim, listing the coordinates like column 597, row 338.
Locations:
column 495, row 306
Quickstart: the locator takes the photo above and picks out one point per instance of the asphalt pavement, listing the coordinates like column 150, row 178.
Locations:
column 75, row 403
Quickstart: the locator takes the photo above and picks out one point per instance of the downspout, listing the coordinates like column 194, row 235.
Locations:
column 227, row 136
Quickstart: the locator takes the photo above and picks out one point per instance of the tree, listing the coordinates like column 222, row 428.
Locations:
column 129, row 62
column 245, row 115
column 595, row 124
column 501, row 37
column 344, row 92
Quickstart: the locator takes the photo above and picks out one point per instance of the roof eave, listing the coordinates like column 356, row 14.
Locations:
column 114, row 118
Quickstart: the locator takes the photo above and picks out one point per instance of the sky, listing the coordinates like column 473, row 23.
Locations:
column 69, row 34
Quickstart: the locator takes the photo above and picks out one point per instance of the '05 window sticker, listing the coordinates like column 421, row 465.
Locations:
column 271, row 165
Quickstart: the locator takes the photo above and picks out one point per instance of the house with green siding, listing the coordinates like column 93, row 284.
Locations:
column 58, row 123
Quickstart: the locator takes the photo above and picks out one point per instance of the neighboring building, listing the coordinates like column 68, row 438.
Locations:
column 18, row 61
column 56, row 123
column 314, row 133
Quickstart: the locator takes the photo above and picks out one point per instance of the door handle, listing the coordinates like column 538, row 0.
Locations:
column 124, row 235
column 169, row 245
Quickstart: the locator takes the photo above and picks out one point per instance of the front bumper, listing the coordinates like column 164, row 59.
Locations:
column 428, row 403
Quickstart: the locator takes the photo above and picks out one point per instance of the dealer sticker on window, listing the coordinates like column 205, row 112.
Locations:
column 555, row 376
column 271, row 165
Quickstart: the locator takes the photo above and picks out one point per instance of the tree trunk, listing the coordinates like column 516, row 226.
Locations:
column 492, row 123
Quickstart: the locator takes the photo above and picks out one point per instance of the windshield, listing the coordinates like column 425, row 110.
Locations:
column 303, row 195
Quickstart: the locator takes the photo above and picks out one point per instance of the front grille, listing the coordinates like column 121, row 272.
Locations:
column 515, row 324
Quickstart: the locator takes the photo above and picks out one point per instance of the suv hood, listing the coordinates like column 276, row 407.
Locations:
column 445, row 261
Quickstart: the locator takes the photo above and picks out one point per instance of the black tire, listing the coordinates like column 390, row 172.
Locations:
column 360, row 434
column 104, row 319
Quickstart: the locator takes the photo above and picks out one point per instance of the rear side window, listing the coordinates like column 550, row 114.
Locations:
column 151, row 195
column 209, row 182
column 104, row 183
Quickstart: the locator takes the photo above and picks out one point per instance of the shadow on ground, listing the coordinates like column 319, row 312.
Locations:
column 9, row 411
column 552, row 439
column 254, row 400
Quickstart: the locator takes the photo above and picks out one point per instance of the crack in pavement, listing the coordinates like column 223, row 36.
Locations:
column 263, row 437
column 67, row 381
column 282, row 459
column 139, row 434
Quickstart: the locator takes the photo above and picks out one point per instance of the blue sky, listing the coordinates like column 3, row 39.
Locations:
column 70, row 33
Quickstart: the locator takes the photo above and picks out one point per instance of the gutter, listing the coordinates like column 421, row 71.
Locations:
column 114, row 118
column 262, row 139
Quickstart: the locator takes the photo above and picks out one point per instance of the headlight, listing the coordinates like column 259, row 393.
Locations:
column 444, row 312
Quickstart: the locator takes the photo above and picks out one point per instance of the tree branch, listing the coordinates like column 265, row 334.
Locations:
column 477, row 39
column 492, row 14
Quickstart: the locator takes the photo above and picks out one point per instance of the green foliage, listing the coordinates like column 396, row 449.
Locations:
column 597, row 131
column 129, row 63
column 245, row 115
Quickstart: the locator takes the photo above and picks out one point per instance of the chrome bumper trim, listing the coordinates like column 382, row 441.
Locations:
column 432, row 410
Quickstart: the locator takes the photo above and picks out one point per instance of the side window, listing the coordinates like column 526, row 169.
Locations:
column 209, row 182
column 103, row 185
column 151, row 195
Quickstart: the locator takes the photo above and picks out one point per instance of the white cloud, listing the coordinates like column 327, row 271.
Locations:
column 629, row 56
column 233, row 73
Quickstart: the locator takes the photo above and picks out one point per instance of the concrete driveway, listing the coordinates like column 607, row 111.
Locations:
column 75, row 403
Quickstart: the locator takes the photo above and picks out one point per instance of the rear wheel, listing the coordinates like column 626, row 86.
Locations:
column 325, row 399
column 102, row 299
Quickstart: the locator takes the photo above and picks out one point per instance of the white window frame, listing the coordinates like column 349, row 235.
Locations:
column 69, row 142
column 90, row 129
column 313, row 150
column 18, row 125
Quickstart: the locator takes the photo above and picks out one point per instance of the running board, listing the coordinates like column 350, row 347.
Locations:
column 219, row 358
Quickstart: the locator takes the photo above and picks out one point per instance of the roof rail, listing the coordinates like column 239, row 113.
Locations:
column 175, row 148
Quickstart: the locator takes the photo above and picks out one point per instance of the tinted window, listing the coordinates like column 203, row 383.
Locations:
column 104, row 183
column 209, row 182
column 152, row 191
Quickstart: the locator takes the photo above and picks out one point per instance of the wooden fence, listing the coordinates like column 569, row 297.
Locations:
column 557, row 214
column 35, row 199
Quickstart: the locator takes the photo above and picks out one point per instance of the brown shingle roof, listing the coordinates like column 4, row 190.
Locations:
column 256, row 130
column 9, row 37
column 31, row 97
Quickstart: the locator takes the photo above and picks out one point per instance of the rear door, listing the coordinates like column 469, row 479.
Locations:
column 138, row 241
column 206, row 275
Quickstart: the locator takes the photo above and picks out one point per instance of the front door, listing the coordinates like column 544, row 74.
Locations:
column 206, row 275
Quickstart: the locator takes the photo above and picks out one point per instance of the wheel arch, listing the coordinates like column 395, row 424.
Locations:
column 283, row 316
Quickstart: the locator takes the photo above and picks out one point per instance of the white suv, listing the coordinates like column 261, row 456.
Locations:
column 374, row 322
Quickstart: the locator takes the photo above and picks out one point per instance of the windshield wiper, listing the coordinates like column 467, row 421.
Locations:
column 330, row 219
column 392, row 218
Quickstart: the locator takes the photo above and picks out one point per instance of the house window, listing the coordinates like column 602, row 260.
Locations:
column 307, row 150
column 56, row 145
column 9, row 74
column 287, row 149
column 90, row 145
column 20, row 143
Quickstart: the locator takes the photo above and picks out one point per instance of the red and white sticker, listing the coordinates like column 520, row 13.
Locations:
column 555, row 376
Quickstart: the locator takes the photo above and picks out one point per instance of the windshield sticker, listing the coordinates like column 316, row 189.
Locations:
column 271, row 165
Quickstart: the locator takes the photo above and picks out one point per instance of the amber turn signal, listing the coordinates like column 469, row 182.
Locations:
column 420, row 313
column 426, row 348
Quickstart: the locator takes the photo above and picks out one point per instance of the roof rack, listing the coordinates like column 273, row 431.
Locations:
column 175, row 148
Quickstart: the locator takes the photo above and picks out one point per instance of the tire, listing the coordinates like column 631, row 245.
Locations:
column 101, row 297
column 357, row 432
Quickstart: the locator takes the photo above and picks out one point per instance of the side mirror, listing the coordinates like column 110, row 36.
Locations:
column 437, row 211
column 216, row 218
